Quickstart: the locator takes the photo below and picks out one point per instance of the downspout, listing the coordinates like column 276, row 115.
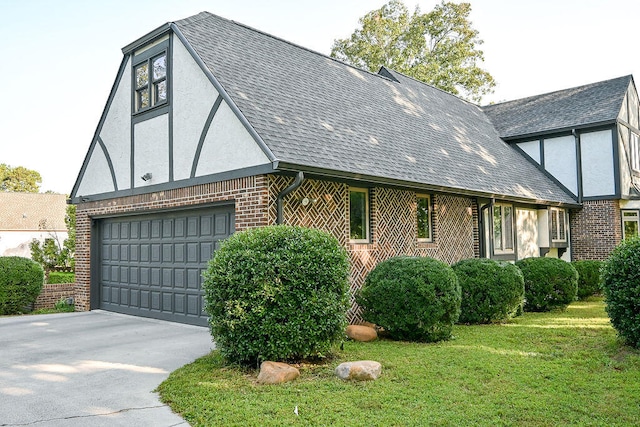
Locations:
column 481, row 231
column 297, row 183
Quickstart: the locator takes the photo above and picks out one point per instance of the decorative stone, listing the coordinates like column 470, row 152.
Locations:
column 276, row 373
column 363, row 370
column 361, row 333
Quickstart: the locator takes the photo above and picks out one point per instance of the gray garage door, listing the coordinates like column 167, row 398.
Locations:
column 151, row 265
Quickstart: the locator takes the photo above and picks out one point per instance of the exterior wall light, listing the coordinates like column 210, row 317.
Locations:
column 146, row 177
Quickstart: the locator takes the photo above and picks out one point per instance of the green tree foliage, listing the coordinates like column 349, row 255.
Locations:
column 52, row 255
column 439, row 47
column 19, row 179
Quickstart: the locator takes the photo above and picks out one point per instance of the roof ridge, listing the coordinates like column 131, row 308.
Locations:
column 205, row 14
column 540, row 95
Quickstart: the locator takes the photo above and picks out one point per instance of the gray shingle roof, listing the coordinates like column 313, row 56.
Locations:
column 32, row 211
column 564, row 109
column 315, row 112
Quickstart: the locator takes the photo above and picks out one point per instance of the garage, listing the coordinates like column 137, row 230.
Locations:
column 151, row 265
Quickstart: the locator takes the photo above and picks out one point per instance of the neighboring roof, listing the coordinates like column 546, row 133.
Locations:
column 32, row 211
column 591, row 104
column 318, row 114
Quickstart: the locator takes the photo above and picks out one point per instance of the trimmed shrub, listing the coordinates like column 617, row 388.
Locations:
column 492, row 291
column 61, row 277
column 621, row 284
column 588, row 277
column 21, row 281
column 548, row 283
column 277, row 293
column 415, row 299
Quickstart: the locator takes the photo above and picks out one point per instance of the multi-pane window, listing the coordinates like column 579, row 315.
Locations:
column 151, row 82
column 558, row 225
column 423, row 214
column 635, row 152
column 502, row 228
column 359, row 215
column 630, row 222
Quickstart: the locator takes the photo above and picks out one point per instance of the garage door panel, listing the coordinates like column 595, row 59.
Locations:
column 152, row 265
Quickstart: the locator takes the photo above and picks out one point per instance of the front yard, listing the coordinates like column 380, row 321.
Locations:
column 542, row 369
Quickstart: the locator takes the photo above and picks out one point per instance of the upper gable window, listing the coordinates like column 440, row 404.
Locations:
column 151, row 77
column 635, row 152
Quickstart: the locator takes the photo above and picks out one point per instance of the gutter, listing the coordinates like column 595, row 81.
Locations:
column 297, row 183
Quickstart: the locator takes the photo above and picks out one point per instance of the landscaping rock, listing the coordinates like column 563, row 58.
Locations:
column 276, row 373
column 361, row 333
column 363, row 370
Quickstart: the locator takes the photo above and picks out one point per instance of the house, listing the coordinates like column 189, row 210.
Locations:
column 586, row 140
column 28, row 216
column 213, row 127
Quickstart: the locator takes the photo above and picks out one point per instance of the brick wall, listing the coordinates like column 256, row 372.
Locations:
column 393, row 224
column 52, row 293
column 595, row 229
column 250, row 196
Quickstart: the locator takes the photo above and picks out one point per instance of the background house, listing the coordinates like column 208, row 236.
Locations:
column 586, row 140
column 28, row 216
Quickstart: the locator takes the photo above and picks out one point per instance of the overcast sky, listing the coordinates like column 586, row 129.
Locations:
column 60, row 58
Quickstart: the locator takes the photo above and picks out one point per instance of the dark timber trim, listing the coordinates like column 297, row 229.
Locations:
column 203, row 134
column 109, row 162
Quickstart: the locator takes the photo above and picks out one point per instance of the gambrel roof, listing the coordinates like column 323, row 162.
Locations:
column 592, row 104
column 322, row 116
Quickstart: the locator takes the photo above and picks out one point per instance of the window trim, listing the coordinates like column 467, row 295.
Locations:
column 367, row 216
column 503, row 242
column 147, row 56
column 553, row 210
column 637, row 220
column 429, row 218
column 634, row 148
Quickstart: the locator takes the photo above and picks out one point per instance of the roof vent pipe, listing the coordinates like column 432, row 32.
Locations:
column 297, row 183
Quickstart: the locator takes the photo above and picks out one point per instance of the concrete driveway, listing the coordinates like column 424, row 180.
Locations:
column 91, row 369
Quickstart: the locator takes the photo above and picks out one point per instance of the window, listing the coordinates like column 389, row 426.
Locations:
column 558, row 225
column 151, row 82
column 359, row 215
column 630, row 222
column 502, row 228
column 423, row 214
column 635, row 152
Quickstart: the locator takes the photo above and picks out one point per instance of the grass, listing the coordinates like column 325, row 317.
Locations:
column 542, row 369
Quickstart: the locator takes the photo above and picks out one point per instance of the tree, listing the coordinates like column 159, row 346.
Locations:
column 53, row 255
column 439, row 47
column 19, row 179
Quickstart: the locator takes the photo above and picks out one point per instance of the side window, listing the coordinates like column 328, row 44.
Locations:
column 423, row 217
column 359, row 215
column 558, row 225
column 150, row 79
column 630, row 224
column 635, row 152
column 502, row 228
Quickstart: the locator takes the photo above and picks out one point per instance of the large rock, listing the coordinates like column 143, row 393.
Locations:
column 362, row 370
column 361, row 333
column 276, row 373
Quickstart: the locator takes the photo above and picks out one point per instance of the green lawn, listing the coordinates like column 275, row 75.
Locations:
column 543, row 369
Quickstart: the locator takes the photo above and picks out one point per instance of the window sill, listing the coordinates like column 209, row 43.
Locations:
column 150, row 113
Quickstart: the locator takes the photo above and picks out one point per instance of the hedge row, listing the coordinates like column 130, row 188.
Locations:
column 21, row 281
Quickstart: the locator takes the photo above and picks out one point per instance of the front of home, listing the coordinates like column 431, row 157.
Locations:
column 213, row 127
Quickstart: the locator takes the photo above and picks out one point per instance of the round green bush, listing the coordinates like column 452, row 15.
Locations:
column 277, row 293
column 492, row 291
column 588, row 277
column 549, row 283
column 21, row 281
column 414, row 299
column 621, row 284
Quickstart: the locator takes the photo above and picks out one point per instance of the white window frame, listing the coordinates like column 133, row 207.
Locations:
column 634, row 147
column 558, row 213
column 503, row 241
column 367, row 230
column 630, row 213
column 429, row 222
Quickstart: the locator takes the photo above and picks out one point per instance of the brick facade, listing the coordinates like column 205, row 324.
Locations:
column 52, row 293
column 596, row 229
column 250, row 196
column 393, row 224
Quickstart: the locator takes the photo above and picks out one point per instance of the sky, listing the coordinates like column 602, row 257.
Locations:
column 60, row 57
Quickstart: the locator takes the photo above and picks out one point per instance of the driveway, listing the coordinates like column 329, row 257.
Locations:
column 91, row 369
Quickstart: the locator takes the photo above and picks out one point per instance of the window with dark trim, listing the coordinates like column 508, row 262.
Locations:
column 634, row 147
column 359, row 215
column 150, row 82
column 423, row 217
column 503, row 228
column 630, row 223
column 558, row 225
